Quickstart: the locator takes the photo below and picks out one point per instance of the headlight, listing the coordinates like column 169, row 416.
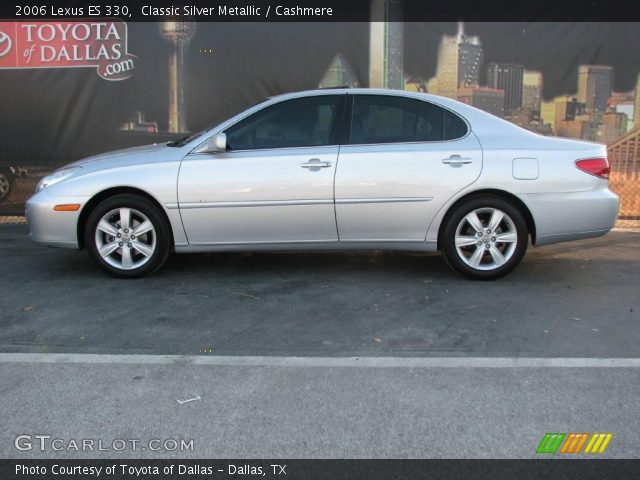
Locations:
column 57, row 177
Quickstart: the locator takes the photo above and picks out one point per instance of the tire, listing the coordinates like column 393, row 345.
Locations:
column 6, row 186
column 130, row 252
column 483, row 256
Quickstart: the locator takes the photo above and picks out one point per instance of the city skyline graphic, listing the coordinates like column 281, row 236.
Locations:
column 511, row 91
column 591, row 110
column 542, row 76
column 507, row 89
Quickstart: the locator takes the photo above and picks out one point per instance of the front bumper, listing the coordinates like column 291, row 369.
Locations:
column 48, row 227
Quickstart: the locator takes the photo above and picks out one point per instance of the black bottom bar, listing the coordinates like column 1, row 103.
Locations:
column 320, row 469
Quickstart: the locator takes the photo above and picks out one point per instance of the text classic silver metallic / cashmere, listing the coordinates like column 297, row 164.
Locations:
column 332, row 170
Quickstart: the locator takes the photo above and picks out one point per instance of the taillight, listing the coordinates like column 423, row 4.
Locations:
column 598, row 167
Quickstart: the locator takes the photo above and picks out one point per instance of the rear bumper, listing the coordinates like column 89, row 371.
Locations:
column 567, row 237
column 48, row 227
column 561, row 217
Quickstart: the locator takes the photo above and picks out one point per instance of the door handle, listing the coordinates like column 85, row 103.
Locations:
column 456, row 161
column 315, row 163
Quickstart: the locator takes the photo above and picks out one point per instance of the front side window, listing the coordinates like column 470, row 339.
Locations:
column 302, row 122
column 388, row 119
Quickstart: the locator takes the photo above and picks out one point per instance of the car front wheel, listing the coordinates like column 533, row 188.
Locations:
column 484, row 238
column 128, row 236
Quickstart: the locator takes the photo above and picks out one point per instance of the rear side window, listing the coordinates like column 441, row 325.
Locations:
column 388, row 119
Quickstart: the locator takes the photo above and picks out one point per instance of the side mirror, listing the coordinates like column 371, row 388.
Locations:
column 217, row 143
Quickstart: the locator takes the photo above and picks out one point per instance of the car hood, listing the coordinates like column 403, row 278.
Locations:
column 155, row 153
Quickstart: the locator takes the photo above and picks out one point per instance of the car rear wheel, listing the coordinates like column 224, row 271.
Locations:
column 484, row 238
column 128, row 236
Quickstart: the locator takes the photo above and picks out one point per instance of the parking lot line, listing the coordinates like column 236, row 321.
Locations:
column 368, row 362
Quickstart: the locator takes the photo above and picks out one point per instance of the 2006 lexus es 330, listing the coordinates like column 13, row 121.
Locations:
column 333, row 169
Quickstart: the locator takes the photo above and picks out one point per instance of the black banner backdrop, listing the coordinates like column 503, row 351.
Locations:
column 51, row 116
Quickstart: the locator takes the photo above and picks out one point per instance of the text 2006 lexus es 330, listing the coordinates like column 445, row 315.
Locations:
column 332, row 170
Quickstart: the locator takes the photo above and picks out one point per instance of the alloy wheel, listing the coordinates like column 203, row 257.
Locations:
column 125, row 238
column 486, row 238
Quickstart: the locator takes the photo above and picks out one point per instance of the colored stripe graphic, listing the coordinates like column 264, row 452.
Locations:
column 574, row 443
column 550, row 443
column 581, row 443
column 598, row 443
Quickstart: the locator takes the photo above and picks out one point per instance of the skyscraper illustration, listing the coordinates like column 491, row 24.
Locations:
column 532, row 90
column 595, row 84
column 507, row 77
column 338, row 74
column 459, row 61
column 386, row 45
column 179, row 34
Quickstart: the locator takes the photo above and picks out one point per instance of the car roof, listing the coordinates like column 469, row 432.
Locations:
column 491, row 130
column 458, row 107
column 481, row 122
column 354, row 91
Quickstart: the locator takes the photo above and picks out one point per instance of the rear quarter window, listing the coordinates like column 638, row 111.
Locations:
column 454, row 126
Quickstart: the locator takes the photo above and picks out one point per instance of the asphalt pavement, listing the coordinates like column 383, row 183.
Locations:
column 321, row 355
column 313, row 411
column 577, row 299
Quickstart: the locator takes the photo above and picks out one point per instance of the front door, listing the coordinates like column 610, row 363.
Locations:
column 275, row 182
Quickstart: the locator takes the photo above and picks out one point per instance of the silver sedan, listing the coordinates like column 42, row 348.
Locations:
column 333, row 170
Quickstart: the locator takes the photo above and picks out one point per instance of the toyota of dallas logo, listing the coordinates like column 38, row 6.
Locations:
column 5, row 44
column 100, row 44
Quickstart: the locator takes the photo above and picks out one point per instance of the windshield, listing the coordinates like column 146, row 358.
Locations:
column 184, row 140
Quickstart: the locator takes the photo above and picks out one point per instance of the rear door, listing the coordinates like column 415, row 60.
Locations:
column 404, row 159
